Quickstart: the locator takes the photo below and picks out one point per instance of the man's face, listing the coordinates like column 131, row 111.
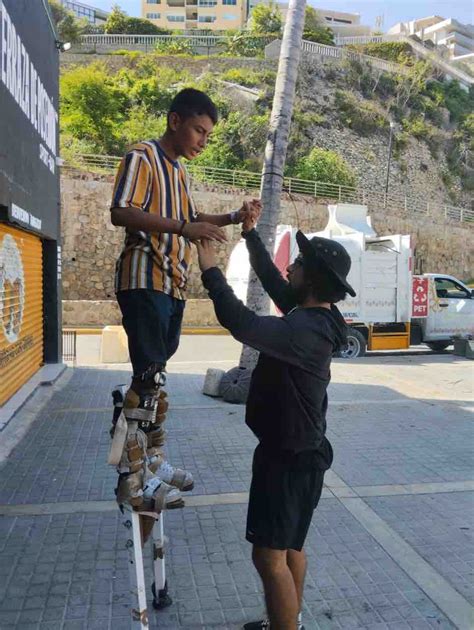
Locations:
column 191, row 134
column 297, row 280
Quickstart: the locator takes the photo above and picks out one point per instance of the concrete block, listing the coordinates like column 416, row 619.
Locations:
column 460, row 347
column 469, row 349
column 114, row 346
column 212, row 382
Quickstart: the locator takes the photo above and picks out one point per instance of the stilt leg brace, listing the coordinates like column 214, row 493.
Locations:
column 146, row 480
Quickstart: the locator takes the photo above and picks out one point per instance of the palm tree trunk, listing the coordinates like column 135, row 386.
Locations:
column 275, row 155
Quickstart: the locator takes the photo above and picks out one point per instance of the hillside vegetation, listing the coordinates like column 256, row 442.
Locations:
column 104, row 109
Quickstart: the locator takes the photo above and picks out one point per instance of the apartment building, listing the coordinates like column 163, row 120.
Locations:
column 343, row 24
column 81, row 10
column 446, row 34
column 214, row 15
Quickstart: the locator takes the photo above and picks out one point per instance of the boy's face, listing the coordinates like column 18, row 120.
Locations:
column 191, row 134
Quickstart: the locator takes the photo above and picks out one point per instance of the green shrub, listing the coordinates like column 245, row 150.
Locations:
column 459, row 102
column 238, row 142
column 93, row 107
column 118, row 22
column 417, row 127
column 386, row 85
column 131, row 54
column 364, row 118
column 325, row 166
column 68, row 27
column 140, row 125
column 304, row 120
column 247, row 45
column 266, row 18
column 390, row 51
column 467, row 129
column 247, row 77
column 321, row 35
column 400, row 143
column 175, row 47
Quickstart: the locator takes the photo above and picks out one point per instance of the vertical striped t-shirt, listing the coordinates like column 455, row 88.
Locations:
column 149, row 180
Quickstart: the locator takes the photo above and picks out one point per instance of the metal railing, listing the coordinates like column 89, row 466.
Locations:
column 375, row 200
column 341, row 40
column 151, row 40
column 418, row 47
column 69, row 345
column 334, row 52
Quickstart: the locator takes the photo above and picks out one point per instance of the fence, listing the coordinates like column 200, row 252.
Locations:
column 418, row 48
column 151, row 40
column 334, row 52
column 69, row 345
column 321, row 190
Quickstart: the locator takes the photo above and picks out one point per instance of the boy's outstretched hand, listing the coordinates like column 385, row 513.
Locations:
column 206, row 254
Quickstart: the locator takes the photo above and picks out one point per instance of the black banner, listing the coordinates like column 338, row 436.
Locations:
column 29, row 100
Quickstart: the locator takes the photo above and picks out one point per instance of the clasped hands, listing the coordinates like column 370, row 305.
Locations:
column 249, row 214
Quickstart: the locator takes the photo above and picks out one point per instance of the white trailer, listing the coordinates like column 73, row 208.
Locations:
column 392, row 309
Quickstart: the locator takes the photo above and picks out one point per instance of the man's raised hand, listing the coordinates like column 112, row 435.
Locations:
column 203, row 230
column 206, row 254
column 252, row 214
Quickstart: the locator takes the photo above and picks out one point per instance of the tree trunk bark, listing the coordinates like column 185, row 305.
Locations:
column 275, row 155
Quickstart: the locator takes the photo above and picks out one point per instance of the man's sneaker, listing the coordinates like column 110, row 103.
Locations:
column 176, row 477
column 264, row 624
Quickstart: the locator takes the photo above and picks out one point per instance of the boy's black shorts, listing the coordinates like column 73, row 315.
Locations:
column 285, row 490
column 152, row 321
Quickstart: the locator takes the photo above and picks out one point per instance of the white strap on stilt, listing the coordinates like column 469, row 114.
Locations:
column 118, row 441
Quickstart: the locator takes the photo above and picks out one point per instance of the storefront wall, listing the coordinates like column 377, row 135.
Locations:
column 30, row 331
column 21, row 308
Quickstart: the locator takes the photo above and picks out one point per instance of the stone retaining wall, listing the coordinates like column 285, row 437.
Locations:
column 91, row 243
column 99, row 313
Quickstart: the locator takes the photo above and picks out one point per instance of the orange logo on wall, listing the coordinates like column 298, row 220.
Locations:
column 12, row 288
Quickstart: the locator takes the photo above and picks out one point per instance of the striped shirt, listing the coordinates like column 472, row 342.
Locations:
column 149, row 180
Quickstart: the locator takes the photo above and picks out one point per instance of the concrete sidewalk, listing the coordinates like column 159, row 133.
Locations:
column 390, row 545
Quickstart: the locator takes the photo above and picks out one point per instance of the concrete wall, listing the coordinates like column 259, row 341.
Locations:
column 91, row 243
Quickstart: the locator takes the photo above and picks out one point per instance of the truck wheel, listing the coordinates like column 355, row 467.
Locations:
column 438, row 346
column 356, row 345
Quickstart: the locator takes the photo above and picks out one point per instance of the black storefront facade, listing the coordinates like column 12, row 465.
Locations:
column 30, row 267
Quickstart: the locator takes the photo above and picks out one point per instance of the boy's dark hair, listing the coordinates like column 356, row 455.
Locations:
column 325, row 287
column 190, row 102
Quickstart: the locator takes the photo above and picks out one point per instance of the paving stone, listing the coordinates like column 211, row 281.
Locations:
column 73, row 567
column 445, row 522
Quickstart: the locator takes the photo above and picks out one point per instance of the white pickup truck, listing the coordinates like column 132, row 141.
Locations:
column 393, row 308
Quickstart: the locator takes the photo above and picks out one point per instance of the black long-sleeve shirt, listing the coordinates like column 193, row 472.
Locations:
column 287, row 402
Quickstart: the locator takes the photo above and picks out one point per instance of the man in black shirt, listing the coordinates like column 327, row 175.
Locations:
column 287, row 403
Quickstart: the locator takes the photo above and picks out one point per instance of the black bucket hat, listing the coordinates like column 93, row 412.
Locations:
column 333, row 255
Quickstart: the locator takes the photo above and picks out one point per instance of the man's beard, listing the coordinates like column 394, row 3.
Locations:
column 301, row 293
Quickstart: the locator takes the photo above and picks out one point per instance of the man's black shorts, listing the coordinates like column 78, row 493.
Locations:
column 285, row 490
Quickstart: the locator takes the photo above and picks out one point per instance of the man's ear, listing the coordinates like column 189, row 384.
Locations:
column 173, row 121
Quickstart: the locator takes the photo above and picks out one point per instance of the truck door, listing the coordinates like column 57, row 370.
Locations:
column 452, row 313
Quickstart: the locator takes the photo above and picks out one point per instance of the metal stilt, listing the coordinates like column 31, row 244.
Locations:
column 137, row 574
column 160, row 586
column 134, row 546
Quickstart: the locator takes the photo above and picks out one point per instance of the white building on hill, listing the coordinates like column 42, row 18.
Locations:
column 446, row 34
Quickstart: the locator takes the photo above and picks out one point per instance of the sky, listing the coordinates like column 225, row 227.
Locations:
column 393, row 11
